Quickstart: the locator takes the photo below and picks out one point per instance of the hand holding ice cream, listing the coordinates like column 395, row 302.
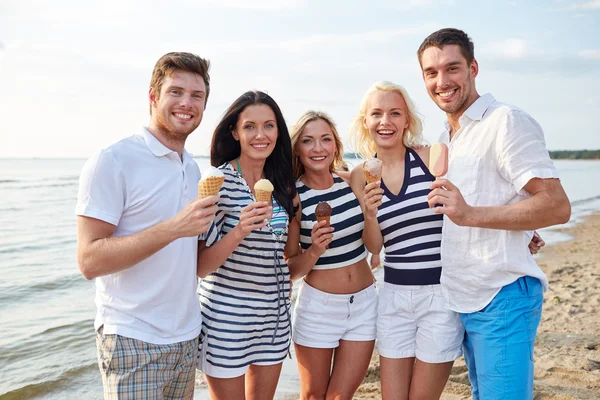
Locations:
column 321, row 233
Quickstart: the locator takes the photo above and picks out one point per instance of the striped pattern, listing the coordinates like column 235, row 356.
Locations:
column 347, row 218
column 245, row 303
column 133, row 369
column 412, row 233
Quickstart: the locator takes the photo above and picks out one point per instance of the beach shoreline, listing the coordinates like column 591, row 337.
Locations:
column 567, row 349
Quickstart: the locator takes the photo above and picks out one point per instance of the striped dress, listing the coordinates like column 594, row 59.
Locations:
column 412, row 232
column 347, row 218
column 245, row 303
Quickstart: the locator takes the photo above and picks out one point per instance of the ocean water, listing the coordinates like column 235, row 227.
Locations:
column 47, row 346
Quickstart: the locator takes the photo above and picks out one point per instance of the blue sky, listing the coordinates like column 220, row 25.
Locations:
column 74, row 74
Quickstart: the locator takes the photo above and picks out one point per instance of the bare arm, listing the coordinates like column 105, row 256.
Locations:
column 548, row 205
column 211, row 258
column 369, row 198
column 100, row 253
column 301, row 263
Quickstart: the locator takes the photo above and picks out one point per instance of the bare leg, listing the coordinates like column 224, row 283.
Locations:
column 314, row 367
column 396, row 375
column 226, row 388
column 261, row 381
column 429, row 380
column 350, row 364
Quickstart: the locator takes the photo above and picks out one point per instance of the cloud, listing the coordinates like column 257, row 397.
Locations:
column 590, row 54
column 412, row 4
column 523, row 57
column 588, row 5
column 263, row 5
column 511, row 48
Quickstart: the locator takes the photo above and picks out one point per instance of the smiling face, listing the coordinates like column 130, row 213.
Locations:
column 256, row 130
column 450, row 81
column 386, row 118
column 179, row 108
column 316, row 146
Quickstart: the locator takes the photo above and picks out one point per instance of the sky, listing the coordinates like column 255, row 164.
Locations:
column 74, row 74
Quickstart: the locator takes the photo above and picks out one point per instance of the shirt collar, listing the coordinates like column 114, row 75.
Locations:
column 476, row 111
column 157, row 148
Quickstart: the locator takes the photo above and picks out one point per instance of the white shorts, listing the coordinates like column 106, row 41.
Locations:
column 412, row 321
column 222, row 372
column 321, row 320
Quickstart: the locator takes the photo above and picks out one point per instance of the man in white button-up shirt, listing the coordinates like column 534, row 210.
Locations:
column 137, row 231
column 500, row 186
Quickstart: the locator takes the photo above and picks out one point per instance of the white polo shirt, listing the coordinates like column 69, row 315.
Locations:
column 497, row 150
column 135, row 184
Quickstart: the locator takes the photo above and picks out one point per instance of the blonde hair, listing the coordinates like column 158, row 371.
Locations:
column 359, row 135
column 297, row 129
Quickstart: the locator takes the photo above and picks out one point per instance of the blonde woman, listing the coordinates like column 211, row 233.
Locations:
column 336, row 311
column 418, row 339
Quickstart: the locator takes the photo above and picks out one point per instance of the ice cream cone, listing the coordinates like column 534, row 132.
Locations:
column 263, row 189
column 210, row 186
column 372, row 169
column 263, row 195
column 324, row 218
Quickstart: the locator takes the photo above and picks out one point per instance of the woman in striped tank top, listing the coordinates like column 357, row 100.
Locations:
column 418, row 339
column 336, row 310
column 244, row 295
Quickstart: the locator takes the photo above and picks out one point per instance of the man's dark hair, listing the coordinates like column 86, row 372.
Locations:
column 447, row 36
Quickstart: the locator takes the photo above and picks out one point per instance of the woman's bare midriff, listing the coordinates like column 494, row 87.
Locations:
column 345, row 280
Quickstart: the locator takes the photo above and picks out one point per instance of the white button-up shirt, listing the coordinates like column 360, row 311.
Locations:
column 135, row 184
column 493, row 155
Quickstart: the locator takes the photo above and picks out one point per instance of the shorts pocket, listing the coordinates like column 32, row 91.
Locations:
column 106, row 350
column 532, row 320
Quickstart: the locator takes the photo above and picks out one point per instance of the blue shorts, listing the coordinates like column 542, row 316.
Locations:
column 498, row 344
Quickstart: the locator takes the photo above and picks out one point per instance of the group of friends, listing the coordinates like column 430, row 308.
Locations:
column 459, row 273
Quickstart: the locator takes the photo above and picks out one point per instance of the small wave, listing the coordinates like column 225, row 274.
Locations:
column 37, row 390
column 584, row 201
column 75, row 336
column 38, row 185
column 11, row 294
column 11, row 248
column 9, row 180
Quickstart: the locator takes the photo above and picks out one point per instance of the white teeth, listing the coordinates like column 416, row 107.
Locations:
column 260, row 146
column 385, row 132
column 317, row 158
column 184, row 116
column 446, row 94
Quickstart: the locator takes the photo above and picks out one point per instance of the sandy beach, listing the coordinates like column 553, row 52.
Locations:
column 567, row 350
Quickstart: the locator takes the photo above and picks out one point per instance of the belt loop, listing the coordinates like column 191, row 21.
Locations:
column 525, row 278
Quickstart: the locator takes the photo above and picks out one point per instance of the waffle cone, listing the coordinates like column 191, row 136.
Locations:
column 210, row 186
column 371, row 178
column 263, row 195
column 324, row 218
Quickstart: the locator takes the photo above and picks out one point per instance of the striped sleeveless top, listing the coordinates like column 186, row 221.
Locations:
column 245, row 303
column 347, row 218
column 411, row 231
